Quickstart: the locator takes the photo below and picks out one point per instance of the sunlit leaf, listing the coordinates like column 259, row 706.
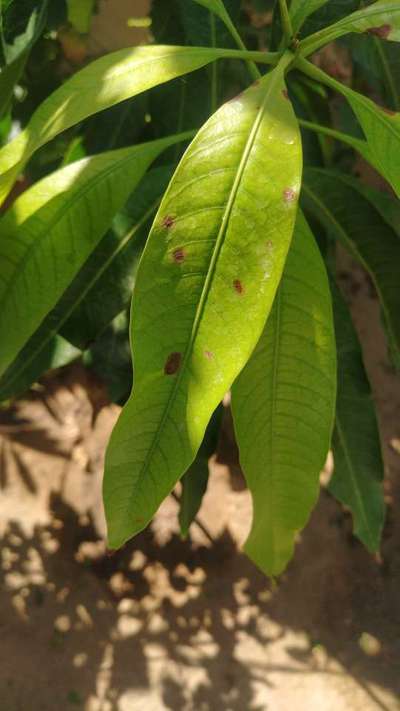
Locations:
column 205, row 285
column 283, row 406
column 358, row 465
column 103, row 83
column 52, row 229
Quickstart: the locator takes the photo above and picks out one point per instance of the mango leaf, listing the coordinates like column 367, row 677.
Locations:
column 9, row 77
column 20, row 27
column 381, row 19
column 301, row 9
column 358, row 472
column 80, row 14
column 327, row 14
column 103, row 83
column 195, row 481
column 283, row 406
column 381, row 126
column 103, row 287
column 55, row 353
column 204, row 288
column 201, row 28
column 347, row 215
column 378, row 64
column 52, row 229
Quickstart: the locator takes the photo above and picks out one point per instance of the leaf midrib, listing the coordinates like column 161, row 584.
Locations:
column 208, row 281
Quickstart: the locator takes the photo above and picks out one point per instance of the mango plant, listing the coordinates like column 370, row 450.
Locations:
column 220, row 224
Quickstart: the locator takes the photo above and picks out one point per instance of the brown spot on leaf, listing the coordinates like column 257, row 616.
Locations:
column 168, row 222
column 179, row 255
column 209, row 355
column 382, row 32
column 270, row 244
column 285, row 93
column 289, row 195
column 238, row 286
column 173, row 363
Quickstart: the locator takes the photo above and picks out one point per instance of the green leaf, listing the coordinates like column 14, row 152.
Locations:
column 205, row 285
column 283, row 406
column 327, row 14
column 378, row 64
column 21, row 28
column 103, row 287
column 358, row 473
column 301, row 9
column 195, row 481
column 103, row 83
column 381, row 126
column 56, row 353
column 381, row 19
column 52, row 229
column 347, row 215
column 9, row 77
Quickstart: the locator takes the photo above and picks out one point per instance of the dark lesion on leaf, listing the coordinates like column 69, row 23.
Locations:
column 173, row 363
column 285, row 93
column 179, row 255
column 238, row 286
column 168, row 222
column 289, row 195
column 382, row 32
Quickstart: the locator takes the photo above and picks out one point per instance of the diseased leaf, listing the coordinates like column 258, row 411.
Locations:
column 301, row 9
column 358, row 472
column 50, row 232
column 283, row 406
column 103, row 83
column 205, row 285
column 381, row 19
column 195, row 481
column 347, row 215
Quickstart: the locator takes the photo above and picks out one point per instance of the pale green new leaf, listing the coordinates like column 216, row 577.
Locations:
column 358, row 465
column 348, row 215
column 205, row 285
column 381, row 19
column 52, row 229
column 301, row 9
column 283, row 406
column 103, row 83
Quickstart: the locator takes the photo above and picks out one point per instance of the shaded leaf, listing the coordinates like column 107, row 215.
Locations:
column 379, row 65
column 347, row 215
column 205, row 285
column 195, row 481
column 52, row 229
column 103, row 287
column 301, row 9
column 382, row 19
column 283, row 406
column 358, row 472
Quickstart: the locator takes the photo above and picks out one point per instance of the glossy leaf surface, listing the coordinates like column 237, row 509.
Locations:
column 103, row 83
column 350, row 217
column 52, row 229
column 204, row 288
column 358, row 465
column 382, row 19
column 283, row 406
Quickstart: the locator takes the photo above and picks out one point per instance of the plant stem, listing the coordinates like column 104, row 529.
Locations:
column 286, row 22
column 250, row 57
column 356, row 143
column 253, row 69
